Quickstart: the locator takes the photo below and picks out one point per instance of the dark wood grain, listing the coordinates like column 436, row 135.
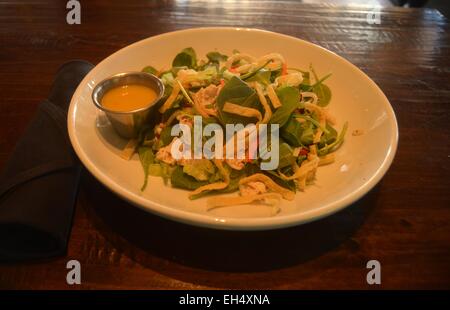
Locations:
column 404, row 222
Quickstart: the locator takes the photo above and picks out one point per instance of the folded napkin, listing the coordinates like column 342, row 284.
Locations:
column 39, row 183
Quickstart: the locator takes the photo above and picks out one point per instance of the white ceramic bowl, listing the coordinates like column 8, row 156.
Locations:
column 361, row 161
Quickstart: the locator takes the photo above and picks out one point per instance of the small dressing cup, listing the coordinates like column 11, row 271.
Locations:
column 128, row 123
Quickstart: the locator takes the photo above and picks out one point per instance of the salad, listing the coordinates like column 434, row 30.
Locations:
column 240, row 89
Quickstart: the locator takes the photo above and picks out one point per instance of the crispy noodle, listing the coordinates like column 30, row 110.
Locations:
column 277, row 61
column 302, row 171
column 129, row 149
column 276, row 103
column 287, row 194
column 327, row 159
column 271, row 199
column 321, row 112
column 237, row 57
column 242, row 111
column 262, row 99
column 274, row 62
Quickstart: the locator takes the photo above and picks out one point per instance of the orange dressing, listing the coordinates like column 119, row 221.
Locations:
column 128, row 98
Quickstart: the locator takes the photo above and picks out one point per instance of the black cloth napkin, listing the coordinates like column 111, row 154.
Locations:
column 39, row 183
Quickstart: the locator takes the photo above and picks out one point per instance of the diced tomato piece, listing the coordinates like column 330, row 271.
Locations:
column 303, row 151
column 284, row 69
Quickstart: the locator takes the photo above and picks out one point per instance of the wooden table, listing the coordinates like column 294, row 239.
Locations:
column 404, row 223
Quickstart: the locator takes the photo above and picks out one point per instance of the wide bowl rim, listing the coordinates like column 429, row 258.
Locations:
column 210, row 221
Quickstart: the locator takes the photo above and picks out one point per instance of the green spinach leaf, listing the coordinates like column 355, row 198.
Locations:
column 262, row 77
column 306, row 83
column 277, row 179
column 150, row 69
column 238, row 92
column 147, row 158
column 286, row 158
column 323, row 93
column 292, row 132
column 290, row 98
column 166, row 136
column 216, row 57
column 307, row 136
column 186, row 58
column 328, row 138
column 179, row 179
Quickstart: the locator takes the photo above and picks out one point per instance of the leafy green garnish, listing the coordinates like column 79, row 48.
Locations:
column 185, row 94
column 166, row 136
column 336, row 144
column 150, row 69
column 180, row 179
column 235, row 176
column 262, row 77
column 145, row 134
column 200, row 169
column 300, row 159
column 147, row 158
column 155, row 170
column 277, row 179
column 306, row 83
column 292, row 132
column 322, row 91
column 186, row 58
column 307, row 136
column 167, row 79
column 286, row 158
column 289, row 97
column 274, row 74
column 328, row 137
column 216, row 57
column 252, row 73
column 298, row 134
column 312, row 120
